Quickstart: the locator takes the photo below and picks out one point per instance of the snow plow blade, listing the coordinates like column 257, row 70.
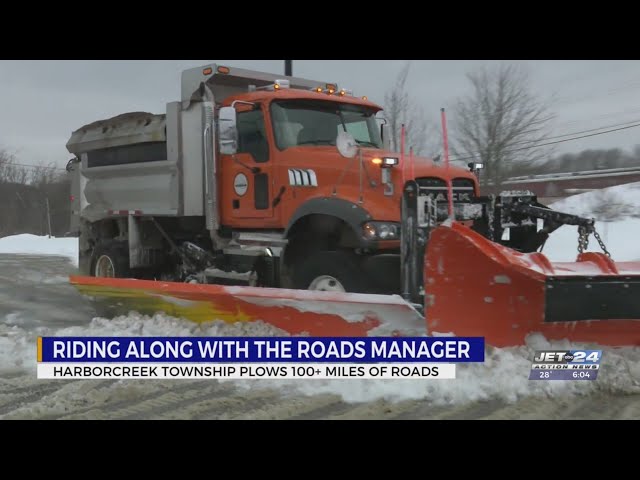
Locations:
column 475, row 287
column 315, row 313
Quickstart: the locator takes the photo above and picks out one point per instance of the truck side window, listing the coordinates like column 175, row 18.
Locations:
column 252, row 137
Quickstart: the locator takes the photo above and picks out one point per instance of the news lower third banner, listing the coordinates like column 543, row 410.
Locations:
column 255, row 357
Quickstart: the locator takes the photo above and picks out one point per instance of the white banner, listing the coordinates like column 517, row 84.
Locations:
column 283, row 371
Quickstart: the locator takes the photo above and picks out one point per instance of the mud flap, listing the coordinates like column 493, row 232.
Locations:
column 475, row 287
column 297, row 312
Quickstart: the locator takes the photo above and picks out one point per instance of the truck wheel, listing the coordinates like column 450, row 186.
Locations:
column 330, row 271
column 111, row 259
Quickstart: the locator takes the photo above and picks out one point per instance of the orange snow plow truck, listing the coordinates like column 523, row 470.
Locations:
column 259, row 197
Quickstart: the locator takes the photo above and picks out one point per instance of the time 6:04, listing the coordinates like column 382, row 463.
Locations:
column 581, row 374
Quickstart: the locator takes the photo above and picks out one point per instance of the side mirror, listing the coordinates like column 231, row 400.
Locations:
column 385, row 133
column 227, row 131
column 475, row 167
column 346, row 145
column 71, row 163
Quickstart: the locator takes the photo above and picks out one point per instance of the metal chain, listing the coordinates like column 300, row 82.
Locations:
column 601, row 243
column 583, row 240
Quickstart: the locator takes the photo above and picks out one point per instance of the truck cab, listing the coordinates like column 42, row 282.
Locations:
column 277, row 181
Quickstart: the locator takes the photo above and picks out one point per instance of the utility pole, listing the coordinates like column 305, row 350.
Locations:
column 48, row 215
column 288, row 68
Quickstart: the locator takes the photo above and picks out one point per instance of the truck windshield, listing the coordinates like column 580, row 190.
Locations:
column 317, row 122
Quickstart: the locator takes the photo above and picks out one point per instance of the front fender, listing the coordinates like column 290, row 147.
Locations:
column 352, row 214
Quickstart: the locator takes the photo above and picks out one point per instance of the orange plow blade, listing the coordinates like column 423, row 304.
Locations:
column 474, row 287
column 323, row 314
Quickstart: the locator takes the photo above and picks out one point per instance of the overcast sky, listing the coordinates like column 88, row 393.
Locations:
column 42, row 102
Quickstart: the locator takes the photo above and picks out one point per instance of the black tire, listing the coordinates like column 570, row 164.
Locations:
column 117, row 253
column 342, row 266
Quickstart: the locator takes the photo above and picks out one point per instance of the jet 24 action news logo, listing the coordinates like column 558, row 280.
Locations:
column 565, row 365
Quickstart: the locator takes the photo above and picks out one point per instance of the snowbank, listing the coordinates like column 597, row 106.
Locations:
column 620, row 239
column 18, row 342
column 622, row 199
column 617, row 214
column 504, row 375
column 27, row 244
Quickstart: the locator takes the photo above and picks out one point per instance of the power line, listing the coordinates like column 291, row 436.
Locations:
column 565, row 135
column 574, row 133
column 591, row 130
column 32, row 166
column 557, row 141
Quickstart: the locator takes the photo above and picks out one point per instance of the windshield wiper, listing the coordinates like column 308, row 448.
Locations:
column 367, row 144
column 317, row 142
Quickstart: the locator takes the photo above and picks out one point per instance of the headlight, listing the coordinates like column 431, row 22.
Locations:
column 369, row 231
column 381, row 231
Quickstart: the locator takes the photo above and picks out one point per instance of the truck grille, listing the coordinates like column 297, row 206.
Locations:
column 437, row 188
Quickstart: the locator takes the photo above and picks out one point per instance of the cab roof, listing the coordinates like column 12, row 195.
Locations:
column 298, row 94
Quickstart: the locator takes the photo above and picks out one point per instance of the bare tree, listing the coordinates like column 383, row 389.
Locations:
column 501, row 123
column 401, row 108
column 42, row 175
column 9, row 171
column 25, row 191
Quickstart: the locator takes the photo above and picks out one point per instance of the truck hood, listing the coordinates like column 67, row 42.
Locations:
column 421, row 166
column 323, row 158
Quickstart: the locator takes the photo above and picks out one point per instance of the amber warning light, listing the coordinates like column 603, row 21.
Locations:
column 385, row 162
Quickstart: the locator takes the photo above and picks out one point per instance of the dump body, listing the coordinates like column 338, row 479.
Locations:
column 130, row 163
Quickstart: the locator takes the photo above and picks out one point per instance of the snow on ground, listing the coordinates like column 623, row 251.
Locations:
column 617, row 214
column 27, row 244
column 504, row 375
column 18, row 344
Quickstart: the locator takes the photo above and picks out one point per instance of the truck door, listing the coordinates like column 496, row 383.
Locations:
column 247, row 177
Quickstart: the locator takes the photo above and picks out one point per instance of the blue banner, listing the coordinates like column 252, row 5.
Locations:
column 261, row 349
